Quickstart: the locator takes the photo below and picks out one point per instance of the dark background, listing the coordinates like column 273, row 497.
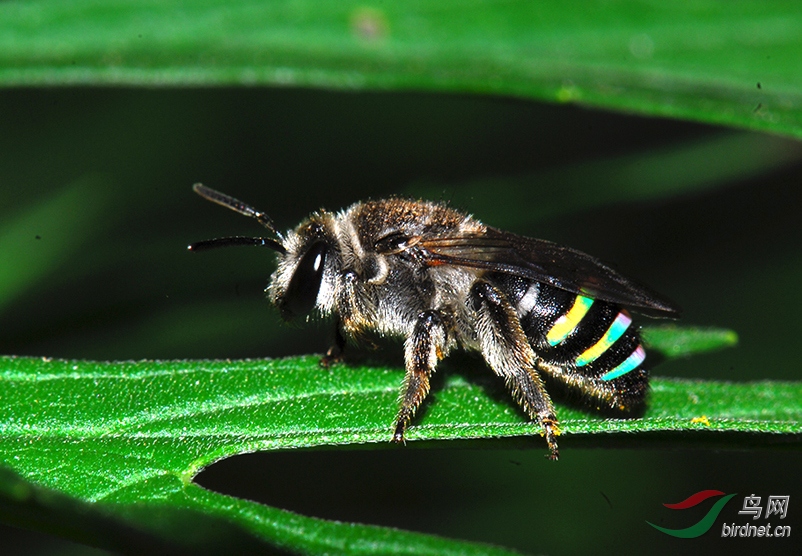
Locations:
column 119, row 284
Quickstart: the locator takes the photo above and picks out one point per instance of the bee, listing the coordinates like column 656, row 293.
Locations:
column 537, row 312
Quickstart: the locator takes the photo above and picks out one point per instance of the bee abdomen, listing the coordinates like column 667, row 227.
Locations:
column 591, row 337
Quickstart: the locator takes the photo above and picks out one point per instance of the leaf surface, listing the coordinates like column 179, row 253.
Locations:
column 733, row 63
column 133, row 434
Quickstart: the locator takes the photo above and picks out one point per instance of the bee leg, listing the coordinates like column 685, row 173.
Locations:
column 508, row 352
column 422, row 349
column 335, row 352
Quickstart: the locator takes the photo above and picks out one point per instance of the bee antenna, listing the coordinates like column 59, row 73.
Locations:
column 207, row 244
column 237, row 206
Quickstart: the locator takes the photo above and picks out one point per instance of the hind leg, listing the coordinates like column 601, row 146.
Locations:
column 507, row 351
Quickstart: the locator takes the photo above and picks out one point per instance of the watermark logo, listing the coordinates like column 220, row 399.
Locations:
column 776, row 505
column 703, row 525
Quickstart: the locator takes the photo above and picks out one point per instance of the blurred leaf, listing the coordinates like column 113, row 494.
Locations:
column 733, row 63
column 46, row 234
column 690, row 167
column 679, row 341
column 138, row 432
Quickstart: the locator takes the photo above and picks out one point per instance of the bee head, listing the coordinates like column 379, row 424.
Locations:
column 296, row 284
column 303, row 280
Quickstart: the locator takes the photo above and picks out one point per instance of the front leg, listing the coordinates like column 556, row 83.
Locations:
column 508, row 352
column 422, row 349
column 335, row 353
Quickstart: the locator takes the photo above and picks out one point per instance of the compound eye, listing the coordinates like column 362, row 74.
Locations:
column 305, row 282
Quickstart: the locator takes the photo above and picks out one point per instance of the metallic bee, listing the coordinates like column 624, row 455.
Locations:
column 441, row 279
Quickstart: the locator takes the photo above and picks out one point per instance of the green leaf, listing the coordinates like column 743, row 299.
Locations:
column 43, row 237
column 679, row 341
column 662, row 173
column 733, row 63
column 130, row 436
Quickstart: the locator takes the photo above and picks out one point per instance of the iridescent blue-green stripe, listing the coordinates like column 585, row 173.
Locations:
column 630, row 364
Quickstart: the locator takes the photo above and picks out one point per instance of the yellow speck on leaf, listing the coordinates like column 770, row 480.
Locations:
column 702, row 420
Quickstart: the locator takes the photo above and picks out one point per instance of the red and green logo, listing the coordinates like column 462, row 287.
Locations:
column 703, row 525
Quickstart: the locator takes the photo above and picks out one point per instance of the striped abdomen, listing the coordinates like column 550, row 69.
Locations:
column 589, row 345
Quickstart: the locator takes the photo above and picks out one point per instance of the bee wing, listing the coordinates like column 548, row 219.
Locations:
column 546, row 262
